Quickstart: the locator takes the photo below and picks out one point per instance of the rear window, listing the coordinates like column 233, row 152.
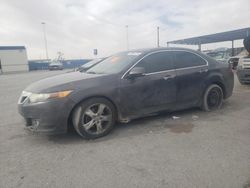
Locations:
column 187, row 59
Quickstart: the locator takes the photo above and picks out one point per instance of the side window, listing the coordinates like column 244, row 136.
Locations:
column 187, row 59
column 157, row 62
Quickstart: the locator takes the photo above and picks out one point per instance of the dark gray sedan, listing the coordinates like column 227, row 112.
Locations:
column 123, row 87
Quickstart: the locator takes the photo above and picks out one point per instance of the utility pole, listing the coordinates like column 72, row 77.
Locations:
column 199, row 45
column 158, row 37
column 45, row 40
column 127, row 37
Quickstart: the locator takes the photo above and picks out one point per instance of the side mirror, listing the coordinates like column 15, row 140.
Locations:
column 136, row 72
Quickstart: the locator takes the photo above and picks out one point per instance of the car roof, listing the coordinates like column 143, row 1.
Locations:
column 145, row 51
column 149, row 50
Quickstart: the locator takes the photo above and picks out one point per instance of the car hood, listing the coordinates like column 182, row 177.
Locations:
column 67, row 81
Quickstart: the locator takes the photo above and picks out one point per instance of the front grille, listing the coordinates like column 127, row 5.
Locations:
column 23, row 99
column 24, row 96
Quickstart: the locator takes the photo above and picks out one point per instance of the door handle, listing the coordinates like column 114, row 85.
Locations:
column 167, row 77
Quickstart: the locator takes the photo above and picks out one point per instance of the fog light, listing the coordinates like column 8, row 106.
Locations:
column 35, row 123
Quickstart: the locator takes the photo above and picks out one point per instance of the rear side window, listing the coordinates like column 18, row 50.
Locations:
column 187, row 59
column 160, row 61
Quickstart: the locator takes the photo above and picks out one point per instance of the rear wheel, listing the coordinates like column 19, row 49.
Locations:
column 212, row 98
column 94, row 118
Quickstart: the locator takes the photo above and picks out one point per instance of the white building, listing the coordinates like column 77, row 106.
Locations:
column 13, row 59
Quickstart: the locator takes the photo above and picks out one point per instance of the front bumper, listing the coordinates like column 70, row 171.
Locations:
column 50, row 117
column 244, row 75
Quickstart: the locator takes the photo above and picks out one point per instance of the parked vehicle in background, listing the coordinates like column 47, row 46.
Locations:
column 89, row 64
column 55, row 65
column 123, row 87
column 234, row 60
column 243, row 70
column 241, row 62
column 220, row 54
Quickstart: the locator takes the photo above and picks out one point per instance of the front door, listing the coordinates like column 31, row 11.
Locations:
column 154, row 91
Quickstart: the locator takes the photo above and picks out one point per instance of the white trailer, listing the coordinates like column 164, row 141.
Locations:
column 13, row 59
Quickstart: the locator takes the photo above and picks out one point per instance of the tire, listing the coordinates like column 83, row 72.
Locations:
column 94, row 118
column 212, row 98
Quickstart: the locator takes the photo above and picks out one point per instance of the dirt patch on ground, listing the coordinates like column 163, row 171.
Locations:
column 181, row 128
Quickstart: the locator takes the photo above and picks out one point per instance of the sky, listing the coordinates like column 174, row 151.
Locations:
column 76, row 27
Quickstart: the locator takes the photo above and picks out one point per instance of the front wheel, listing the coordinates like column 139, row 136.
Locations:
column 212, row 98
column 94, row 118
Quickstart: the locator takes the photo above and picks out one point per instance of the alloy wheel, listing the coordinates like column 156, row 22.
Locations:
column 96, row 119
column 214, row 98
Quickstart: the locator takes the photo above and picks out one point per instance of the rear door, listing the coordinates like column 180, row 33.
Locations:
column 191, row 70
column 154, row 91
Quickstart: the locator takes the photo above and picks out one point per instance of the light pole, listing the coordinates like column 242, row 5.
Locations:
column 127, row 37
column 45, row 40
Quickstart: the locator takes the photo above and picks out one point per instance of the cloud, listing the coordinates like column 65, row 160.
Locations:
column 76, row 27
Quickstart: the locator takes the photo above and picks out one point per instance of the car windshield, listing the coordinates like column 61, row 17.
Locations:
column 114, row 64
column 90, row 63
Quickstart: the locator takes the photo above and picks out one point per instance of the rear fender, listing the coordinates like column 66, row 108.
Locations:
column 214, row 78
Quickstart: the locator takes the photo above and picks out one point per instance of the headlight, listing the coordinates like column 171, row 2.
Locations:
column 41, row 97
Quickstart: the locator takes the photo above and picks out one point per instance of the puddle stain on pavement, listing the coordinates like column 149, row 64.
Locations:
column 181, row 128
